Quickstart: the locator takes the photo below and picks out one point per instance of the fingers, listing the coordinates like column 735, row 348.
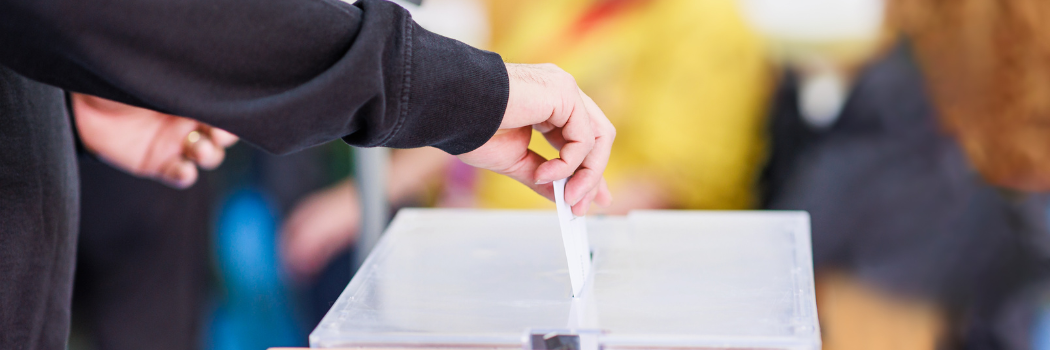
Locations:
column 579, row 138
column 524, row 171
column 178, row 173
column 221, row 137
column 586, row 184
column 148, row 143
column 547, row 99
column 208, row 146
column 581, row 208
column 552, row 134
column 604, row 196
column 205, row 152
column 201, row 147
column 507, row 153
column 593, row 166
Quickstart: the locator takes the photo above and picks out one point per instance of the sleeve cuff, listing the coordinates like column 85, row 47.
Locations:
column 452, row 97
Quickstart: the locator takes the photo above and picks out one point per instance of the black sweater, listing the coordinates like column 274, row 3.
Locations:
column 282, row 74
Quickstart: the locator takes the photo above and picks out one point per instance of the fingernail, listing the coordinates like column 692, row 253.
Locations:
column 543, row 182
column 182, row 181
column 174, row 175
column 183, row 176
column 178, row 183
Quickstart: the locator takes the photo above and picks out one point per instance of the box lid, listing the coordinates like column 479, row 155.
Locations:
column 661, row 279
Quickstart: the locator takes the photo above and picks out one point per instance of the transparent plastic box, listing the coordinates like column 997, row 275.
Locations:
column 470, row 279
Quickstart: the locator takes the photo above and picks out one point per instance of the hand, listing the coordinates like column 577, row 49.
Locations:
column 546, row 98
column 148, row 143
column 319, row 227
column 329, row 220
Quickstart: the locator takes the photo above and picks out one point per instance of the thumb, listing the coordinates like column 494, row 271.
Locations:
column 524, row 171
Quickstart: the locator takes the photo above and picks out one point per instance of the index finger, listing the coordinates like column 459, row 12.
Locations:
column 578, row 135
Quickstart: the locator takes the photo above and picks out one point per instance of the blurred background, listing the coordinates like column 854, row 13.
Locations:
column 847, row 109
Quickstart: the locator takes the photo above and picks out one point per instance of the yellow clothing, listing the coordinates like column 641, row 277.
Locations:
column 683, row 81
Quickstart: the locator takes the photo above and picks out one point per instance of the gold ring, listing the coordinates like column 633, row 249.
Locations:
column 193, row 137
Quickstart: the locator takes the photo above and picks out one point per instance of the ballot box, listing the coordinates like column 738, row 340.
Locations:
column 482, row 279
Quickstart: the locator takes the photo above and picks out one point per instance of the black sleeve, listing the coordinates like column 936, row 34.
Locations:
column 282, row 74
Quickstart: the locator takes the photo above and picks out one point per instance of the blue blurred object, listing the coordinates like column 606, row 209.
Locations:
column 254, row 312
column 1041, row 329
column 1041, row 322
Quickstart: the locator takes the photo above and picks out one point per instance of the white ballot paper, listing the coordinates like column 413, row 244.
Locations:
column 574, row 235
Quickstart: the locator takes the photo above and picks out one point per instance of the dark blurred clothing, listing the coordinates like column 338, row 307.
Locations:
column 142, row 262
column 38, row 214
column 143, row 273
column 894, row 200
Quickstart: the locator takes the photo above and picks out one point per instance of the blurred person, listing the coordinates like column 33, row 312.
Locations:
column 987, row 71
column 257, row 304
column 895, row 204
column 684, row 81
column 324, row 71
column 889, row 179
column 324, row 223
column 990, row 79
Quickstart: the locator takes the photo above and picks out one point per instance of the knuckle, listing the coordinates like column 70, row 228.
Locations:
column 567, row 78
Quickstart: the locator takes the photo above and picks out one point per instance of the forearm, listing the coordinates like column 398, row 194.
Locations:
column 283, row 74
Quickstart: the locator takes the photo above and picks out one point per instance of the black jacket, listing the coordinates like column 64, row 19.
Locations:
column 282, row 74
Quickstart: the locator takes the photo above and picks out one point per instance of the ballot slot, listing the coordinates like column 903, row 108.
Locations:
column 561, row 339
column 659, row 280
